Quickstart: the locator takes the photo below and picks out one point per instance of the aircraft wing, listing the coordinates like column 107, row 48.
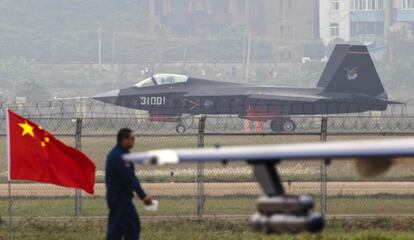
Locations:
column 268, row 97
column 388, row 148
column 276, row 211
column 287, row 98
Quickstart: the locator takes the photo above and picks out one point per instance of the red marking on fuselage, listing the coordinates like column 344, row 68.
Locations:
column 155, row 117
column 260, row 113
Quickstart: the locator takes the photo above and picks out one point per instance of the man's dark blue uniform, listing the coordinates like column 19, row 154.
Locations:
column 121, row 182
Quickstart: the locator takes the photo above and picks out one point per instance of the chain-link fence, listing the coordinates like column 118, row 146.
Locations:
column 204, row 190
column 87, row 107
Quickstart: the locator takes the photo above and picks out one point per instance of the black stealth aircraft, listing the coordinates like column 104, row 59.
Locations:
column 348, row 84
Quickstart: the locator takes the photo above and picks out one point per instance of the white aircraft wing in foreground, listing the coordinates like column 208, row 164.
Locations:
column 277, row 212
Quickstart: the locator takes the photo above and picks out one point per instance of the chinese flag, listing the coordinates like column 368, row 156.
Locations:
column 35, row 154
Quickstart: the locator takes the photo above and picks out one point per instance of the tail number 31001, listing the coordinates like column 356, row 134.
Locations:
column 152, row 101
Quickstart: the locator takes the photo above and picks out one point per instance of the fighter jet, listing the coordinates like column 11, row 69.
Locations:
column 278, row 212
column 348, row 84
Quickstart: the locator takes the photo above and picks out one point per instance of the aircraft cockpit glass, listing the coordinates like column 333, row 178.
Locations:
column 164, row 79
column 148, row 82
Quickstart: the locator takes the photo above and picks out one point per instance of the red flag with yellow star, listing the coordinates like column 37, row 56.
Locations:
column 35, row 154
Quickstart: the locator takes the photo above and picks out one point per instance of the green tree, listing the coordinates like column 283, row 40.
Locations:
column 19, row 77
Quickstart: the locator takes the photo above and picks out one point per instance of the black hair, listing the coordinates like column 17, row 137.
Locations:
column 123, row 133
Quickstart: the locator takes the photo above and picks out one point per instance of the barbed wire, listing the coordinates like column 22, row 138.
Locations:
column 88, row 107
column 59, row 115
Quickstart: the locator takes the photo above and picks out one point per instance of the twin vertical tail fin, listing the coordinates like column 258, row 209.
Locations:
column 351, row 70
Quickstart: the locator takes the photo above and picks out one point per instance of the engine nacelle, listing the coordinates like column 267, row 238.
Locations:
column 284, row 223
column 285, row 204
column 286, row 214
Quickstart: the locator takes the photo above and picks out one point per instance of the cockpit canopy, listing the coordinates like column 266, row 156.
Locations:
column 162, row 79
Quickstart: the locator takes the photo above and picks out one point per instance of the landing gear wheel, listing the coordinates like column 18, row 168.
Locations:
column 289, row 126
column 283, row 125
column 276, row 126
column 180, row 129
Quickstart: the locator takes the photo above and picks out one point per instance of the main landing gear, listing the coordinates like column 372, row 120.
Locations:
column 180, row 128
column 283, row 125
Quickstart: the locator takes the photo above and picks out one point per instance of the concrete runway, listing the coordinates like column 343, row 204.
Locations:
column 219, row 189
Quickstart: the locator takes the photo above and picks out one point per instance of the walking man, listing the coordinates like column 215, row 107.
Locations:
column 121, row 182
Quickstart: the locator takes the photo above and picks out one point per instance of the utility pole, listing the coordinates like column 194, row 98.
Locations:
column 249, row 47
column 99, row 49
column 185, row 50
column 113, row 48
column 244, row 48
column 389, row 30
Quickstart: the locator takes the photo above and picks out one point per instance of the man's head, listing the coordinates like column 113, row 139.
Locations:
column 126, row 138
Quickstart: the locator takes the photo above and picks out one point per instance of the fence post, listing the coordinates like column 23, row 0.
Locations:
column 323, row 170
column 78, row 146
column 200, row 170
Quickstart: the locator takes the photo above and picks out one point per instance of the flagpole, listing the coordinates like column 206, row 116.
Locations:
column 9, row 211
column 8, row 143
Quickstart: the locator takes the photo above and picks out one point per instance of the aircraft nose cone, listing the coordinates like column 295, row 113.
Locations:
column 108, row 97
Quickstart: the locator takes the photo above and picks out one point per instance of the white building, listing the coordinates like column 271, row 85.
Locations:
column 334, row 20
column 364, row 20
